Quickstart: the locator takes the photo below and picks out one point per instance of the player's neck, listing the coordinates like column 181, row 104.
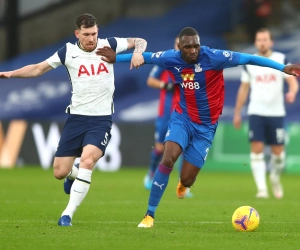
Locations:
column 79, row 45
column 265, row 54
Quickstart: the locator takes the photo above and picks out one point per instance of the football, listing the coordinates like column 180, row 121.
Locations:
column 245, row 219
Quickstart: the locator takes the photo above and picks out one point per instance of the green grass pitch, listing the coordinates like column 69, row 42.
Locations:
column 31, row 202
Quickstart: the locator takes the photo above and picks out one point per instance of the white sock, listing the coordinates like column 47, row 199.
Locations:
column 73, row 173
column 277, row 165
column 79, row 190
column 258, row 166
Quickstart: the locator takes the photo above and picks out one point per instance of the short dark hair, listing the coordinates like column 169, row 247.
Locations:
column 86, row 20
column 264, row 29
column 188, row 31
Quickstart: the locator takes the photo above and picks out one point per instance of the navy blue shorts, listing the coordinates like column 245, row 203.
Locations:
column 194, row 139
column 81, row 130
column 161, row 128
column 269, row 130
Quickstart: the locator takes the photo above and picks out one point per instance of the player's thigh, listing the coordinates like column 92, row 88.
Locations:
column 179, row 130
column 70, row 143
column 161, row 128
column 179, row 133
column 98, row 135
column 277, row 149
column 198, row 148
column 90, row 155
column 171, row 153
column 256, row 128
column 159, row 147
column 275, row 132
column 62, row 166
column 257, row 147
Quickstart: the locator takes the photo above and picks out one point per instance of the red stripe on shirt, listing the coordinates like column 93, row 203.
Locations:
column 215, row 93
column 190, row 97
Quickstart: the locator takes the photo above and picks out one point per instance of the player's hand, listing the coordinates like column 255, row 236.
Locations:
column 137, row 60
column 107, row 54
column 290, row 97
column 5, row 74
column 237, row 121
column 292, row 69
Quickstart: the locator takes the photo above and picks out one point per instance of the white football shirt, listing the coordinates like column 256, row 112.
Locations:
column 92, row 79
column 266, row 88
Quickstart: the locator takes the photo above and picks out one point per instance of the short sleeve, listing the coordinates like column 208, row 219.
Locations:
column 58, row 58
column 121, row 44
column 245, row 78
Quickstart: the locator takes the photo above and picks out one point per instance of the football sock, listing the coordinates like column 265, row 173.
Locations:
column 277, row 164
column 155, row 159
column 73, row 173
column 79, row 190
column 258, row 166
column 160, row 182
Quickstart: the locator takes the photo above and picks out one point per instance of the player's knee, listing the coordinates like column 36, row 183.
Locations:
column 88, row 162
column 278, row 159
column 254, row 157
column 187, row 181
column 168, row 161
column 58, row 172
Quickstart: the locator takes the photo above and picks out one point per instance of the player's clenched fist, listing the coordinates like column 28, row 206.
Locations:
column 137, row 60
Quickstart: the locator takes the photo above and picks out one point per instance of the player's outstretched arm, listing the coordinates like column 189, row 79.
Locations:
column 292, row 69
column 28, row 71
column 139, row 46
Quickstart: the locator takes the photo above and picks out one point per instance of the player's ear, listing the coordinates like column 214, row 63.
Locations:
column 76, row 32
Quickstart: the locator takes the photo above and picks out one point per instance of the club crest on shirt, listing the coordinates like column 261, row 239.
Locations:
column 226, row 53
column 198, row 68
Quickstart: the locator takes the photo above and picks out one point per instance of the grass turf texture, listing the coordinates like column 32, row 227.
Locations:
column 32, row 201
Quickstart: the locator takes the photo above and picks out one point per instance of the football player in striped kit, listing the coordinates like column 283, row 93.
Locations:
column 198, row 71
column 266, row 111
column 86, row 133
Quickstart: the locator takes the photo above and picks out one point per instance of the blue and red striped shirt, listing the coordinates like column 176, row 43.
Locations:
column 201, row 84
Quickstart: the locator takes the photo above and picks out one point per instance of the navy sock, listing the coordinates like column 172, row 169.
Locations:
column 160, row 182
column 155, row 159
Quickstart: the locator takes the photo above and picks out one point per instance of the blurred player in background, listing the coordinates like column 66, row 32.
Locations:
column 86, row 133
column 198, row 71
column 159, row 78
column 266, row 112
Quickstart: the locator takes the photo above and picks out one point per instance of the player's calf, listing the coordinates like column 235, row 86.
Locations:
column 70, row 178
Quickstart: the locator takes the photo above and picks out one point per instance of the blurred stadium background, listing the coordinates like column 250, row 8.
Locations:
column 32, row 110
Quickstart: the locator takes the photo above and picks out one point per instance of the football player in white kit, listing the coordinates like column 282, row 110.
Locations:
column 87, row 130
column 266, row 113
